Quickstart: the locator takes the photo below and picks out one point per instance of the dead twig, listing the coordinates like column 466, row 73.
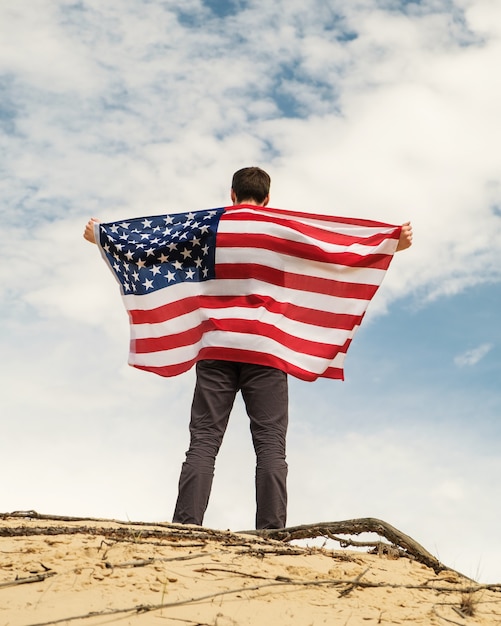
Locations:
column 352, row 585
column 446, row 619
column 209, row 570
column 28, row 579
column 153, row 560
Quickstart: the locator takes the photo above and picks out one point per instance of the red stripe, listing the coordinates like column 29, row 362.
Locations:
column 333, row 372
column 316, row 232
column 242, row 356
column 168, row 370
column 248, row 327
column 342, row 321
column 327, row 286
column 301, row 250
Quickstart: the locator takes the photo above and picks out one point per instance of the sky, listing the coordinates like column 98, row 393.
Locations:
column 373, row 109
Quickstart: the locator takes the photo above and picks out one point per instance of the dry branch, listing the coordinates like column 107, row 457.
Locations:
column 446, row 619
column 396, row 538
column 28, row 579
column 153, row 560
column 352, row 585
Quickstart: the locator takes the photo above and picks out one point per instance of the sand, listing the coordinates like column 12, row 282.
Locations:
column 88, row 572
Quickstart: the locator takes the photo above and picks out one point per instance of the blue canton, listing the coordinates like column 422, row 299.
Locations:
column 150, row 253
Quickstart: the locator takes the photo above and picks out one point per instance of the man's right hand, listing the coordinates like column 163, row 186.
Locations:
column 405, row 240
column 89, row 230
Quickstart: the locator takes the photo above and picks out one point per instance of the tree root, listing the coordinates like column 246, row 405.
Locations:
column 396, row 538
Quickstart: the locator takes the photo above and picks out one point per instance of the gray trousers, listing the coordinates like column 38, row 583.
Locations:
column 265, row 393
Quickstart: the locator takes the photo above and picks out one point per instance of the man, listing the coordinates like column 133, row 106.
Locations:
column 265, row 394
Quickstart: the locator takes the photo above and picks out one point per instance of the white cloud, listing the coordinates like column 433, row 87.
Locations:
column 473, row 356
column 449, row 490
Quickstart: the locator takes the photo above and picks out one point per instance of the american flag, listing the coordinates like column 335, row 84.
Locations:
column 246, row 283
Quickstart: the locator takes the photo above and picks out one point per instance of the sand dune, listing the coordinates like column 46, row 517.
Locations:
column 86, row 572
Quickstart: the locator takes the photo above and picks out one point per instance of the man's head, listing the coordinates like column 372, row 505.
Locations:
column 250, row 185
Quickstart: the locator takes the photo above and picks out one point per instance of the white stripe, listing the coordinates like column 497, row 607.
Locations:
column 245, row 287
column 297, row 265
column 240, row 341
column 182, row 323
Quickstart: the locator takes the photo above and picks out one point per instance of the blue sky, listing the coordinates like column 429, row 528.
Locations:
column 379, row 109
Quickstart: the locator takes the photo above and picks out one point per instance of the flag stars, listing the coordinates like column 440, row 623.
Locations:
column 181, row 243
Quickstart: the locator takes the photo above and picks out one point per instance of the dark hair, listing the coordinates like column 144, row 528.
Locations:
column 251, row 183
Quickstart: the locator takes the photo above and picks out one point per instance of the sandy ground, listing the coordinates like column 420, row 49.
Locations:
column 89, row 572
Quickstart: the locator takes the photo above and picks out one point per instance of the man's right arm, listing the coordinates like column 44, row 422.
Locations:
column 405, row 240
column 89, row 230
